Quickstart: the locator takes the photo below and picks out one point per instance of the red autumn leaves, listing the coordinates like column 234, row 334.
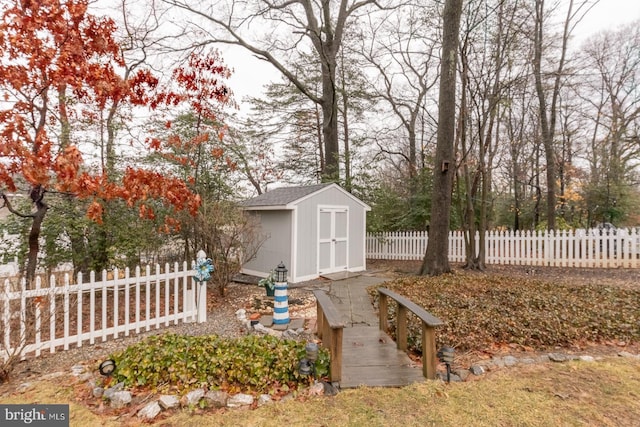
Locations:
column 62, row 68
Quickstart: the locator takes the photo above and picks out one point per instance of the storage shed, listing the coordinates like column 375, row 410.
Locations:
column 314, row 230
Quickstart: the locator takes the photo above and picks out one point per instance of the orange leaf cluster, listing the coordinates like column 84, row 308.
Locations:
column 59, row 64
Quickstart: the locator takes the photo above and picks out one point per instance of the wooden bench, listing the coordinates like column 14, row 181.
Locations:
column 429, row 323
column 329, row 327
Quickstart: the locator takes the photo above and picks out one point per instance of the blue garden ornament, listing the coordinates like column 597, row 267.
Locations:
column 204, row 268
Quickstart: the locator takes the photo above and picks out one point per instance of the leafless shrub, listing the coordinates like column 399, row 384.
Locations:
column 230, row 237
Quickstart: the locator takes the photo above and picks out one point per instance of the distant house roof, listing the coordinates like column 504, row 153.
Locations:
column 283, row 197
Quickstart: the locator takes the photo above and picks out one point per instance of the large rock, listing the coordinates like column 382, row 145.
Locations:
column 558, row 357
column 120, row 399
column 98, row 392
column 239, row 400
column 150, row 411
column 330, row 389
column 316, row 389
column 477, row 370
column 108, row 393
column 509, row 361
column 168, row 401
column 192, row 398
column 264, row 399
column 216, row 398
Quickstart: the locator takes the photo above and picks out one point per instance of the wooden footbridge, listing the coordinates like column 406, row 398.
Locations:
column 362, row 354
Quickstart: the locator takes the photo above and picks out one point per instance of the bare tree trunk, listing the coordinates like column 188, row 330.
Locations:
column 345, row 126
column 436, row 259
column 548, row 113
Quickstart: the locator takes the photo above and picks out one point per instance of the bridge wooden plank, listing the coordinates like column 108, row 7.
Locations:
column 362, row 353
column 370, row 357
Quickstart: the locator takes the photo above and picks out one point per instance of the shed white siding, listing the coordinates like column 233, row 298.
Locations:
column 276, row 226
column 290, row 218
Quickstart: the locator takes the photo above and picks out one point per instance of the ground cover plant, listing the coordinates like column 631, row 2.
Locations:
column 482, row 310
column 172, row 362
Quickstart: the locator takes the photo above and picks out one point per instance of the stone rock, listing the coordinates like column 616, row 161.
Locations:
column 216, row 398
column 527, row 361
column 120, row 399
column 510, row 361
column 453, row 377
column 241, row 314
column 543, row 359
column 290, row 335
column 239, row 400
column 264, row 399
column 586, row 358
column 462, row 373
column 557, row 357
column 76, row 370
column 316, row 389
column 168, row 401
column 192, row 398
column 98, row 392
column 330, row 389
column 261, row 329
column 108, row 393
column 498, row 361
column 150, row 411
column 477, row 370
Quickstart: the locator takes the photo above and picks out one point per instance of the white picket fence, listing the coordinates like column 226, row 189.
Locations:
column 564, row 248
column 62, row 315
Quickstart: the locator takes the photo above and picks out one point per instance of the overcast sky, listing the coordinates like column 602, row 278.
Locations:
column 609, row 14
column 251, row 74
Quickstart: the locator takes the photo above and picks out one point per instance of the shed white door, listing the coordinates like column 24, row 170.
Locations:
column 333, row 241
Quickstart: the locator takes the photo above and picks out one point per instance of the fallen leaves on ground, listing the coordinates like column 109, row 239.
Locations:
column 482, row 310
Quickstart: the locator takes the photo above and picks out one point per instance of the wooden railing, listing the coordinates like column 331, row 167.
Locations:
column 329, row 329
column 429, row 323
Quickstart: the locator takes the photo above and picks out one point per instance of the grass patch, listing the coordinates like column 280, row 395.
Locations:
column 481, row 310
column 605, row 393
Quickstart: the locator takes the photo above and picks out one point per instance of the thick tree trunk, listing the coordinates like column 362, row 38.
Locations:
column 36, row 195
column 329, row 105
column 436, row 259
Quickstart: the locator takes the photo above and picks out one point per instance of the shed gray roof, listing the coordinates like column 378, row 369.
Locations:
column 282, row 196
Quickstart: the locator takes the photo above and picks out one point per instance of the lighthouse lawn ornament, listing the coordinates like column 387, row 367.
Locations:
column 281, row 299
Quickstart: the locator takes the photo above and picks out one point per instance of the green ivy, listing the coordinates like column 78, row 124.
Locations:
column 263, row 364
